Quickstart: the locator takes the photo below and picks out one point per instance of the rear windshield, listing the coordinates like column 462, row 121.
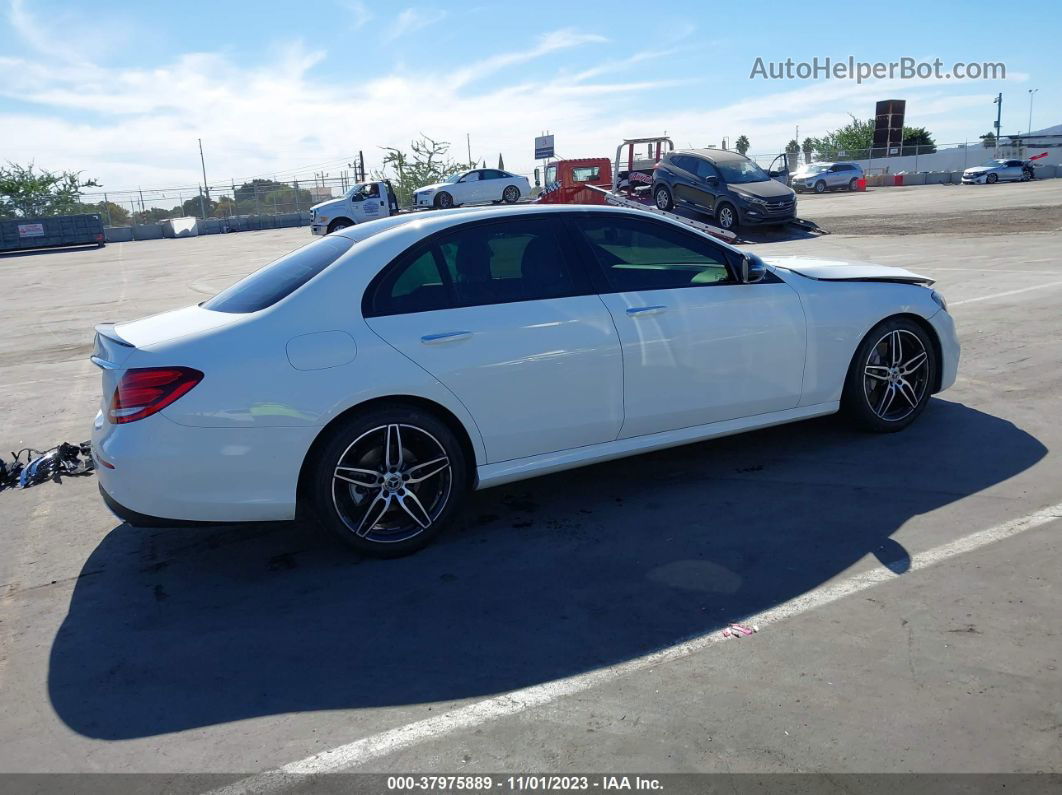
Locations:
column 281, row 278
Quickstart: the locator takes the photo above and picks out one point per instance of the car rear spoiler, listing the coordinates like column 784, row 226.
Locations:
column 107, row 350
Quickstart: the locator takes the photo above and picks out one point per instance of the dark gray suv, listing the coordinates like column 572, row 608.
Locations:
column 726, row 184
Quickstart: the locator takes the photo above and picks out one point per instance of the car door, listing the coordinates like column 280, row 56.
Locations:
column 835, row 177
column 708, row 185
column 369, row 203
column 698, row 347
column 497, row 312
column 1014, row 169
column 683, row 178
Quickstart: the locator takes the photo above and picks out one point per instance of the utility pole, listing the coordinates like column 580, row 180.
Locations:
column 202, row 204
column 999, row 115
column 361, row 164
column 1032, row 92
column 468, row 143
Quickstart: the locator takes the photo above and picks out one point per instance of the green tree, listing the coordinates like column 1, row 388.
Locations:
column 917, row 141
column 742, row 144
column 855, row 139
column 152, row 215
column 808, row 147
column 792, row 147
column 111, row 213
column 27, row 192
column 988, row 140
column 425, row 163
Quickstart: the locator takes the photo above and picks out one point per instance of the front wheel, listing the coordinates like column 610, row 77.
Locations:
column 444, row 201
column 991, row 179
column 339, row 223
column 891, row 377
column 663, row 199
column 820, row 187
column 511, row 194
column 388, row 481
column 726, row 216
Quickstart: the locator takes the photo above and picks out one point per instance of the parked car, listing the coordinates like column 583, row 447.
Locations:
column 821, row 177
column 998, row 171
column 472, row 187
column 376, row 375
column 366, row 201
column 726, row 184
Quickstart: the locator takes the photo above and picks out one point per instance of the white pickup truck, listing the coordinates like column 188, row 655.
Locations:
column 365, row 201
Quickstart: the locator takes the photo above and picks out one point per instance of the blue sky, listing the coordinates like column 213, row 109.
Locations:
column 122, row 90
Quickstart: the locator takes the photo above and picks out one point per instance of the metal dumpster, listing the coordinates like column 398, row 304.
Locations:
column 17, row 234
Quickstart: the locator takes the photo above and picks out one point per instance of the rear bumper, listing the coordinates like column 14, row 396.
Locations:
column 162, row 470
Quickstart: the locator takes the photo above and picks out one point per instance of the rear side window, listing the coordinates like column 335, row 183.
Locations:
column 476, row 265
column 280, row 278
column 647, row 255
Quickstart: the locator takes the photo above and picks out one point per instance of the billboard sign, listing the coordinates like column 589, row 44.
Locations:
column 543, row 147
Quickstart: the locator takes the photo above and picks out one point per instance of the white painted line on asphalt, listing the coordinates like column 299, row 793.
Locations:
column 1004, row 294
column 475, row 714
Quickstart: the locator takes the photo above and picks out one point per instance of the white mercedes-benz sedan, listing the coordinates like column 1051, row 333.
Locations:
column 376, row 375
column 477, row 186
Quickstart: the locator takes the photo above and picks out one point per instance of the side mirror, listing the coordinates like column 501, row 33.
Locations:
column 713, row 181
column 752, row 269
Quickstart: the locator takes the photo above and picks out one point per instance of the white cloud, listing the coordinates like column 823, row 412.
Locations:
column 359, row 13
column 412, row 20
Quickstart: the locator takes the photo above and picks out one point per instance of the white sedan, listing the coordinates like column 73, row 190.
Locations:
column 473, row 187
column 379, row 373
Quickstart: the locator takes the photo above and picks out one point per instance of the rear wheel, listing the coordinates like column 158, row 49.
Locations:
column 853, row 184
column 891, row 376
column 726, row 216
column 511, row 194
column 444, row 201
column 662, row 197
column 388, row 481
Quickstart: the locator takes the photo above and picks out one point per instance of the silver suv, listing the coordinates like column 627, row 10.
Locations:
column 821, row 177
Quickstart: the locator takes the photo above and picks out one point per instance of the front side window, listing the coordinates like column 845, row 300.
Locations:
column 636, row 254
column 476, row 265
column 705, row 169
column 279, row 279
column 471, row 176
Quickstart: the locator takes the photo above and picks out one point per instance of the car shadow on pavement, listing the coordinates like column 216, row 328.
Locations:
column 175, row 629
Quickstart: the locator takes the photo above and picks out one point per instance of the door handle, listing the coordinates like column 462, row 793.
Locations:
column 645, row 311
column 445, row 336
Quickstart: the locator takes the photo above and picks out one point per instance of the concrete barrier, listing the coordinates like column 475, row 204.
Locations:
column 915, row 179
column 210, row 226
column 118, row 234
column 147, row 232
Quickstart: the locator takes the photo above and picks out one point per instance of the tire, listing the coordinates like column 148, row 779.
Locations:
column 991, row 179
column 444, row 201
column 1026, row 175
column 726, row 216
column 662, row 197
column 511, row 194
column 820, row 187
column 367, row 501
column 339, row 223
column 885, row 392
column 853, row 184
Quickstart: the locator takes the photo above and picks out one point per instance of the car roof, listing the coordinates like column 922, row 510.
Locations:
column 715, row 155
column 426, row 222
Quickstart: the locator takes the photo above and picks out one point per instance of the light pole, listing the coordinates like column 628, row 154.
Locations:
column 1032, row 92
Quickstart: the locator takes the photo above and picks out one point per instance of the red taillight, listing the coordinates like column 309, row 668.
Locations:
column 144, row 391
